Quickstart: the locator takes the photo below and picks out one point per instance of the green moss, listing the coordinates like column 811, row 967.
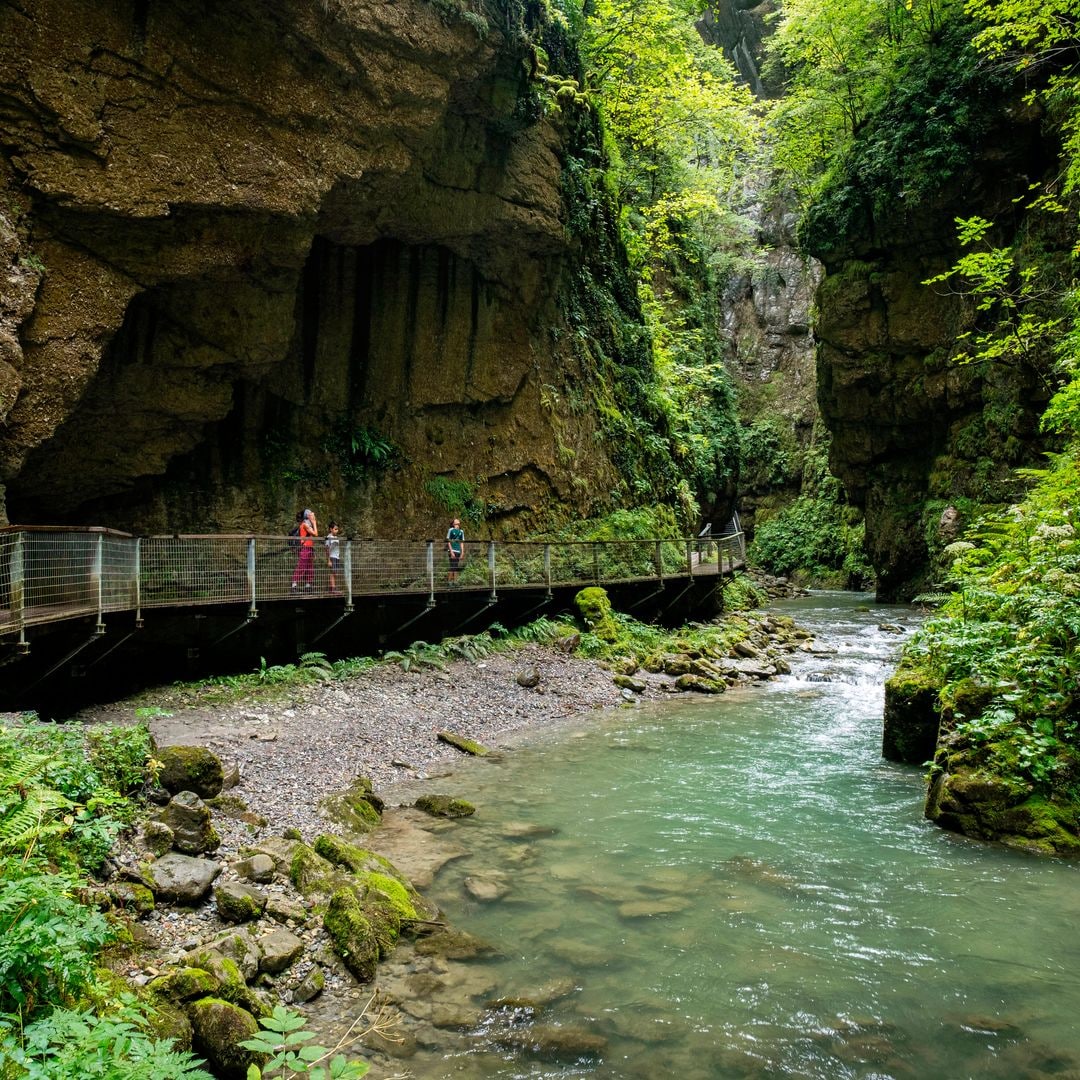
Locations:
column 357, row 859
column 352, row 934
column 190, row 768
column 310, row 872
column 444, row 806
column 385, row 890
column 219, row 1027
column 183, row 984
column 596, row 610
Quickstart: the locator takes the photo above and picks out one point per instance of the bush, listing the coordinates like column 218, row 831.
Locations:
column 816, row 539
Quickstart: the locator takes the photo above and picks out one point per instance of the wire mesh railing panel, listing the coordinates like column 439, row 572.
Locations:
column 53, row 574
column 279, row 561
column 193, row 570
column 10, row 591
column 119, row 573
column 627, row 560
column 573, row 563
column 673, row 557
column 61, row 573
column 391, row 566
column 520, row 564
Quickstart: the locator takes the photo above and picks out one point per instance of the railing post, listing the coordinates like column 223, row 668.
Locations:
column 690, row 558
column 347, row 568
column 658, row 559
column 547, row 567
column 491, row 570
column 96, row 582
column 253, row 610
column 138, row 582
column 18, row 587
column 596, row 562
column 431, row 572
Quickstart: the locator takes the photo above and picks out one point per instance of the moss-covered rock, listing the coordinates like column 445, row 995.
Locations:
column 190, row 768
column 231, row 981
column 699, row 684
column 312, row 874
column 169, row 1023
column 987, row 806
column 444, row 806
column 184, row 984
column 376, row 880
column 357, row 808
column 910, row 728
column 595, row 607
column 239, row 903
column 218, row 1028
column 460, row 742
column 352, row 934
column 131, row 896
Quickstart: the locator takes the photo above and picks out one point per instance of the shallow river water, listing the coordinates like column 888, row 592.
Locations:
column 742, row 887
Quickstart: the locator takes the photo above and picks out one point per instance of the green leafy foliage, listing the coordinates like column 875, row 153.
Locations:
column 113, row 1046
column 48, row 941
column 292, row 1052
column 359, row 450
column 917, row 132
column 458, row 497
column 816, row 539
column 1011, row 631
column 1021, row 301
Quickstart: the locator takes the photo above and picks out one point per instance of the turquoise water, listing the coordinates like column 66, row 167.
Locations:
column 742, row 887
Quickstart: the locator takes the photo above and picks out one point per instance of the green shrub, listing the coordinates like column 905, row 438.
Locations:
column 82, row 1046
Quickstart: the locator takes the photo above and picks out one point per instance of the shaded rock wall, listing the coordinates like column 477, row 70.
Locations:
column 767, row 321
column 236, row 236
column 915, row 433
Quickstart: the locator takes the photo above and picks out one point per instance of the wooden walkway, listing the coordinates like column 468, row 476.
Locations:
column 53, row 575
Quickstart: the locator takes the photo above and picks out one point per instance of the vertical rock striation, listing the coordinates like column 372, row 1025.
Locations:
column 251, row 249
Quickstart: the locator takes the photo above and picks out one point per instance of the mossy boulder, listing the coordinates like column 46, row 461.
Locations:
column 312, row 874
column 218, row 1028
column 910, row 730
column 232, row 982
column 185, row 984
column 131, row 896
column 376, row 880
column 352, row 934
column 190, row 768
column 699, row 684
column 357, row 808
column 445, row 806
column 169, row 1022
column 341, row 853
column 986, row 806
column 239, row 903
column 595, row 607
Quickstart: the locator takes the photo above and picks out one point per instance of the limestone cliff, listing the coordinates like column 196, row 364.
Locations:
column 915, row 434
column 259, row 256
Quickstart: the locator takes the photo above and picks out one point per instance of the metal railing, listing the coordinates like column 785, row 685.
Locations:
column 53, row 574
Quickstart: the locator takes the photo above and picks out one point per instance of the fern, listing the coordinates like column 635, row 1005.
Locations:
column 29, row 811
column 115, row 1046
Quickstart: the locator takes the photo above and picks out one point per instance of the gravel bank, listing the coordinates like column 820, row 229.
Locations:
column 293, row 751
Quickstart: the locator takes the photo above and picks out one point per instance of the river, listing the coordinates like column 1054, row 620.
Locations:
column 742, row 887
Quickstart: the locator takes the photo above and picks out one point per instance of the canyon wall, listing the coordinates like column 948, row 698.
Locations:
column 310, row 253
column 921, row 440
